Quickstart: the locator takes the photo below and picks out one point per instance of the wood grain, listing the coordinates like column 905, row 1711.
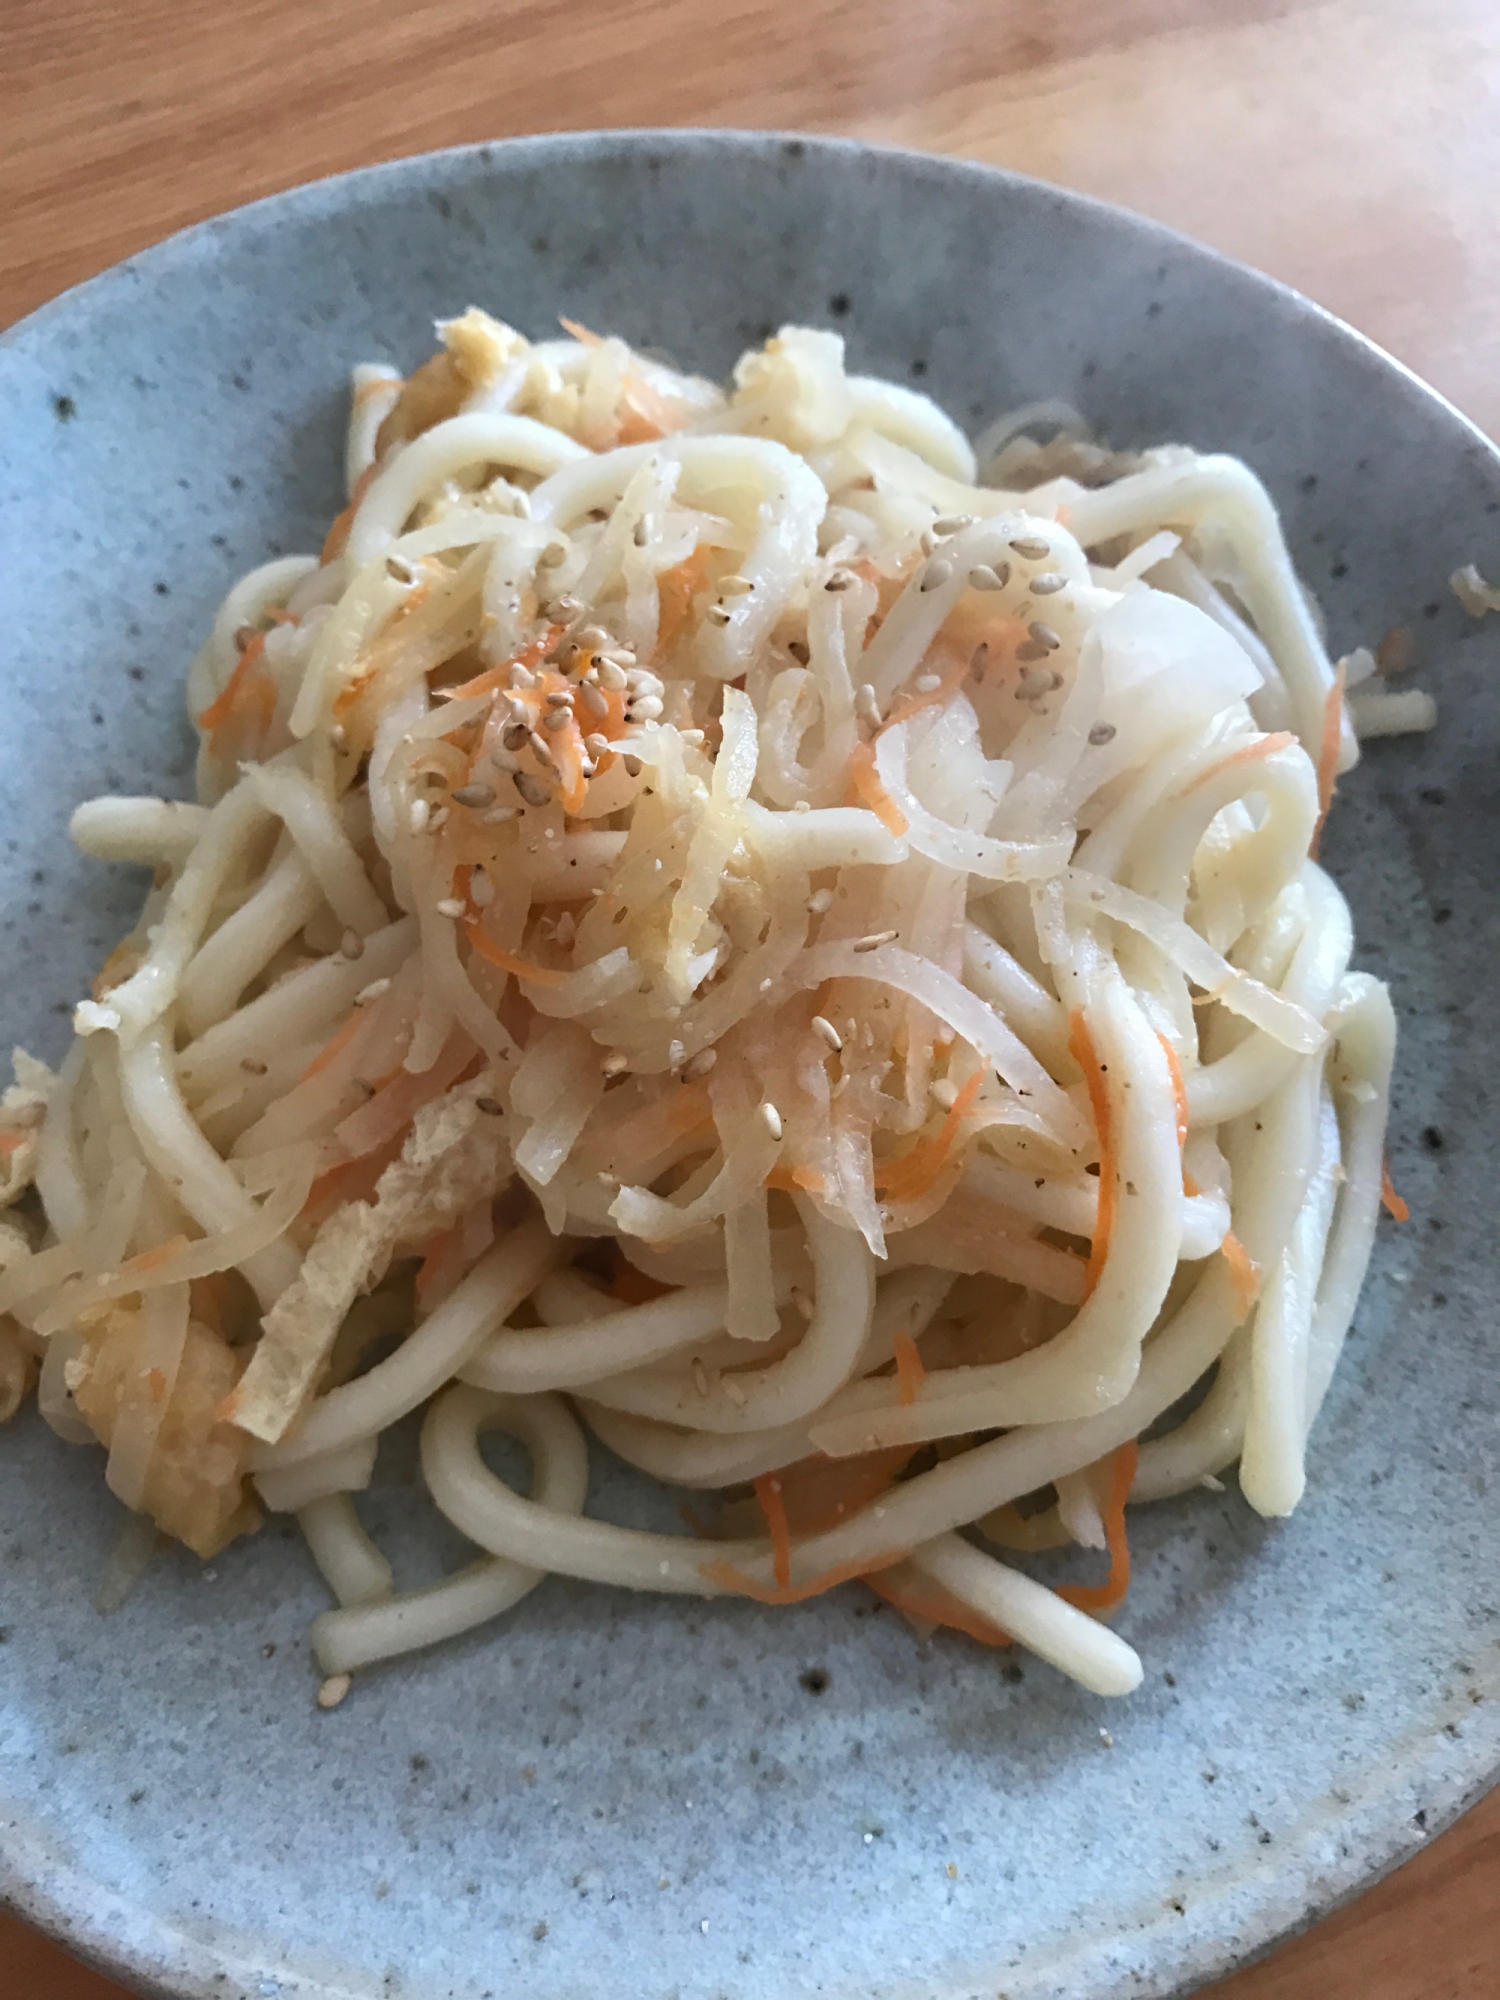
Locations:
column 1351, row 147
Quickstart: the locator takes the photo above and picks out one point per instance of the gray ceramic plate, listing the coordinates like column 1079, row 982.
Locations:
column 617, row 1798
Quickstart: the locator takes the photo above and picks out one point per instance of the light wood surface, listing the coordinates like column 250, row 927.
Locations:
column 1351, row 147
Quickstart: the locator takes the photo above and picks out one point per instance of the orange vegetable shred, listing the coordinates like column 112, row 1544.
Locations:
column 866, row 789
column 917, row 1169
column 910, row 1374
column 1328, row 754
column 768, row 1493
column 1390, row 1201
column 1101, row 1596
column 1243, row 1270
column 926, row 1602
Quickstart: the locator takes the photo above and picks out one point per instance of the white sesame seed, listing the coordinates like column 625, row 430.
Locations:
column 929, row 683
column 552, row 557
column 838, row 579
column 827, row 1032
column 646, row 708
column 596, row 744
column 770, row 1117
column 1044, row 635
column 943, row 1092
column 874, row 940
column 700, row 1064
column 1102, row 732
column 450, row 906
column 557, row 718
column 438, row 820
column 1031, row 548
column 498, row 816
column 952, row 524
column 820, row 902
column 700, row 1383
column 615, row 1063
column 936, row 574
column 532, row 790
column 253, row 1066
column 734, row 585
column 594, row 699
column 520, row 676
column 561, row 698
column 718, row 614
column 802, row 1302
column 419, row 815
column 351, row 944
column 333, row 1690
column 338, row 736
column 374, row 991
column 693, row 736
column 481, row 889
column 473, row 795
column 988, row 576
column 517, row 734
column 632, row 766
column 1047, row 583
column 675, row 1053
column 540, row 747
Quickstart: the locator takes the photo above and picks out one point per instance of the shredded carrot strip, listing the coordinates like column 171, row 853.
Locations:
column 1101, row 1596
column 921, row 1598
column 1390, row 1201
column 866, row 789
column 580, row 333
column 1328, row 754
column 910, row 1176
column 910, row 704
column 910, row 1374
column 1248, row 753
column 432, row 1258
column 338, row 534
column 339, row 1039
column 222, row 708
column 819, row 1493
column 1243, row 1270
column 1081, row 1043
column 1179, row 1089
column 350, row 1180
column 729, row 1578
column 519, row 968
column 677, row 587
column 495, row 677
column 147, row 1260
column 768, row 1493
column 790, row 1179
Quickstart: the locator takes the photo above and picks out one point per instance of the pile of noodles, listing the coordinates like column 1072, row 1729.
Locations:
column 708, row 926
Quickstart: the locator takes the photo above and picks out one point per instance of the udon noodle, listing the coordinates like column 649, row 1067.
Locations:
column 715, row 922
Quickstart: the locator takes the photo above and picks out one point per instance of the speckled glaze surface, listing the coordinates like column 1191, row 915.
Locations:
column 623, row 1799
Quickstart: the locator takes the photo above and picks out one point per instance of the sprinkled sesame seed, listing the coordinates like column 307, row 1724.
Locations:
column 557, row 718
column 1049, row 581
column 646, row 708
column 929, row 683
column 937, row 573
column 532, row 790
column 1030, row 650
column 617, row 656
column 338, row 736
column 253, row 1065
column 989, row 576
column 820, row 902
column 838, row 579
column 450, row 906
column 552, row 557
column 1102, row 732
column 700, row 1383
column 561, row 609
column 374, row 991
column 952, row 524
column 490, row 1106
column 363, row 1087
column 516, row 735
column 734, row 585
column 561, row 698
column 615, row 1063
column 1044, row 635
column 596, row 744
column 943, row 1092
column 333, row 1690
column 718, row 614
column 481, row 889
column 700, row 1064
column 473, row 795
column 1032, row 549
column 827, row 1032
column 351, row 944
column 874, row 939
column 399, row 570
column 520, row 676
column 770, row 1117
column 419, row 816
column 594, row 699
column 632, row 766
column 438, row 820
column 640, row 534
column 499, row 815
column 540, row 747
column 802, row 1302
column 675, row 1053
column 798, row 652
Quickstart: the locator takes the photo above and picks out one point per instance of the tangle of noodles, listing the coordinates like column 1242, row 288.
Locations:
column 706, row 925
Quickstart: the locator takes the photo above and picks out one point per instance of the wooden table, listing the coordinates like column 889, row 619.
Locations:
column 1351, row 147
